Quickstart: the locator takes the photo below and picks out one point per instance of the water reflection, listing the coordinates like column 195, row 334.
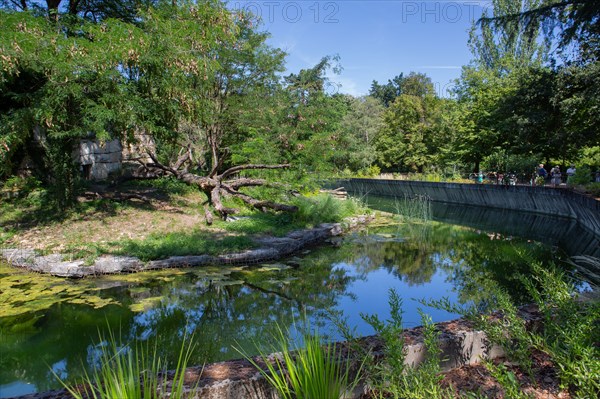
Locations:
column 566, row 235
column 239, row 306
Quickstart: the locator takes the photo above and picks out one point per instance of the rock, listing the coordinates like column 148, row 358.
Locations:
column 271, row 248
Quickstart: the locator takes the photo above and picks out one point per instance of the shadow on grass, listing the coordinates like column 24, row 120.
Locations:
column 95, row 201
column 275, row 224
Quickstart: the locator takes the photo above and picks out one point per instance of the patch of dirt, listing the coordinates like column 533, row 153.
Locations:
column 542, row 384
column 123, row 214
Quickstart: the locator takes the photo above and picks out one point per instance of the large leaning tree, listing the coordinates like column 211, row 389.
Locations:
column 184, row 76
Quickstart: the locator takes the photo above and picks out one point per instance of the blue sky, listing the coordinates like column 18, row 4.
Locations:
column 375, row 39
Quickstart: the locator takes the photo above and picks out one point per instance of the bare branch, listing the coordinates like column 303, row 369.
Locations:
column 159, row 165
column 183, row 158
column 208, row 214
column 215, row 199
column 214, row 171
column 246, row 182
column 258, row 204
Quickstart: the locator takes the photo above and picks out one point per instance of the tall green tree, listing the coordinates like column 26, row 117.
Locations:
column 312, row 116
column 357, row 134
column 407, row 140
column 513, row 44
column 387, row 93
column 575, row 23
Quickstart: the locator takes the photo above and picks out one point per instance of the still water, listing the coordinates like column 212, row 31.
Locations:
column 50, row 325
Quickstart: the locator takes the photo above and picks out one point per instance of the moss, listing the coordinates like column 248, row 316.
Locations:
column 23, row 293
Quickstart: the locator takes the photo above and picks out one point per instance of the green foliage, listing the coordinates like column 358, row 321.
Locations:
column 390, row 332
column 391, row 378
column 512, row 44
column 371, row 171
column 507, row 380
column 583, row 175
column 593, row 189
column 22, row 186
column 413, row 209
column 133, row 371
column 571, row 331
column 311, row 371
column 503, row 161
column 324, row 208
column 414, row 84
column 167, row 185
column 356, row 135
column 569, row 335
column 590, row 156
column 416, row 128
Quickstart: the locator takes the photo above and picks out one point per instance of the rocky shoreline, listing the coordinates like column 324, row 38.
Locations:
column 270, row 248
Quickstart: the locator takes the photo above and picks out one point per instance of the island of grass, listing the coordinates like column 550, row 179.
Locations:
column 156, row 224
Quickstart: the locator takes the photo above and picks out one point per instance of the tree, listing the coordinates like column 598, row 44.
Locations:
column 415, row 84
column 574, row 22
column 411, row 126
column 308, row 132
column 388, row 92
column 513, row 44
column 93, row 10
column 357, row 134
column 181, row 75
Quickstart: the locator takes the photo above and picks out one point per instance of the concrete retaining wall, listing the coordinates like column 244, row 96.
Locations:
column 543, row 200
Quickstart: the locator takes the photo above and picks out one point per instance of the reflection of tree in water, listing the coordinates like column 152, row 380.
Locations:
column 242, row 310
column 28, row 351
column 236, row 308
column 410, row 251
column 484, row 260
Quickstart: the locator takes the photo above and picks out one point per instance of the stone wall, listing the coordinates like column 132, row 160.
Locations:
column 99, row 160
column 542, row 200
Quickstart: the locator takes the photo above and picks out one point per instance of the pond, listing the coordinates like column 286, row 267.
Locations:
column 50, row 325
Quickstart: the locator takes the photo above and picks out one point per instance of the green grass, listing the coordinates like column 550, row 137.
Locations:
column 315, row 370
column 312, row 211
column 277, row 224
column 198, row 242
column 132, row 371
column 417, row 208
column 323, row 208
column 166, row 184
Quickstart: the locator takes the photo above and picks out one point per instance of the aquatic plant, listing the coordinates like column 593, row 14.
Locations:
column 390, row 377
column 132, row 372
column 417, row 208
column 315, row 370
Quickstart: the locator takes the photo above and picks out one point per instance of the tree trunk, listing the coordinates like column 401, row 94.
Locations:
column 215, row 186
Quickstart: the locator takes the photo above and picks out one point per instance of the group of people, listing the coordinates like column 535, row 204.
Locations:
column 555, row 175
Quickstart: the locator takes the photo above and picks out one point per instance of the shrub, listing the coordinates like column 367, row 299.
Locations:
column 323, row 208
column 583, row 175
